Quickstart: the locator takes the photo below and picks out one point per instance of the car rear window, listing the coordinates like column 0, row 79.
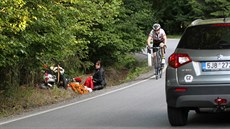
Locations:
column 214, row 36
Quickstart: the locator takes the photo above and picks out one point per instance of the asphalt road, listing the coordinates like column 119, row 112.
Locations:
column 139, row 104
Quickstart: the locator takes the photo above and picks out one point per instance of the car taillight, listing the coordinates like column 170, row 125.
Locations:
column 220, row 101
column 178, row 59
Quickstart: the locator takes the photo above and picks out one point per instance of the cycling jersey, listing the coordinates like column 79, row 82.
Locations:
column 157, row 38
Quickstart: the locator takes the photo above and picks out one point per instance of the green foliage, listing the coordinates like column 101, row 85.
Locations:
column 175, row 16
column 125, row 33
column 14, row 18
column 72, row 33
column 136, row 72
column 126, row 62
column 217, row 8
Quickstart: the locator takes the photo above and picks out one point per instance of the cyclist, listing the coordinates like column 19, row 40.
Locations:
column 159, row 38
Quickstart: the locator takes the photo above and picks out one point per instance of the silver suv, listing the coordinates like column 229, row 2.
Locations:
column 198, row 72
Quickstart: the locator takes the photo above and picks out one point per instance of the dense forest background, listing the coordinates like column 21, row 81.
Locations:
column 75, row 33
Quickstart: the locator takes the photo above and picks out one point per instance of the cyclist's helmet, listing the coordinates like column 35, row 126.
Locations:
column 156, row 26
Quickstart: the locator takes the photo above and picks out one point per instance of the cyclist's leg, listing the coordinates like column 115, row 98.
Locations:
column 162, row 45
column 154, row 56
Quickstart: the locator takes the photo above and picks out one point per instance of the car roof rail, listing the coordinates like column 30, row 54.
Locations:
column 196, row 21
column 210, row 21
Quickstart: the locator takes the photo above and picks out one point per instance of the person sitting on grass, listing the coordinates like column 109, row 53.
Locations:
column 97, row 81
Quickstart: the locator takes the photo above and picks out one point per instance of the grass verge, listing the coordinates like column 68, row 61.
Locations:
column 25, row 98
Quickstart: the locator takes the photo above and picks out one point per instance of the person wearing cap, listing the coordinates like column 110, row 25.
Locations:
column 159, row 38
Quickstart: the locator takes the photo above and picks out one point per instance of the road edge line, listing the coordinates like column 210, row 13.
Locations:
column 74, row 103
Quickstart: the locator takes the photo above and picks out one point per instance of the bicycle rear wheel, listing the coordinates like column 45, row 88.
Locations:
column 156, row 69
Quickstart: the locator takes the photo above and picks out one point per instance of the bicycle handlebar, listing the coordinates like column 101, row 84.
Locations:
column 155, row 47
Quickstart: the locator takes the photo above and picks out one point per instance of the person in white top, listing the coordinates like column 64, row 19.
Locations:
column 159, row 38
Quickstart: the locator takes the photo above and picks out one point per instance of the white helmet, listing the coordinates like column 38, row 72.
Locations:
column 156, row 26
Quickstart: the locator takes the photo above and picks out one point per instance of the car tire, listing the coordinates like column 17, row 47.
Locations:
column 177, row 116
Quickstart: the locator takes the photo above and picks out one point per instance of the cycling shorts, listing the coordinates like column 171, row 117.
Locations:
column 157, row 44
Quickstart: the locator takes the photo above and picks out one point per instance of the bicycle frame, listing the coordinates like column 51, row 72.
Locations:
column 157, row 62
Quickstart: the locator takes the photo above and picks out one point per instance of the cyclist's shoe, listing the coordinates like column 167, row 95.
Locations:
column 163, row 61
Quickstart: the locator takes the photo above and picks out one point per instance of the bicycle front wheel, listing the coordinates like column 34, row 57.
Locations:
column 160, row 72
column 158, row 64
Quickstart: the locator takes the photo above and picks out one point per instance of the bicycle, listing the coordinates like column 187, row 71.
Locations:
column 158, row 66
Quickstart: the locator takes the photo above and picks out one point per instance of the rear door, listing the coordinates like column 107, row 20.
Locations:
column 208, row 46
column 207, row 67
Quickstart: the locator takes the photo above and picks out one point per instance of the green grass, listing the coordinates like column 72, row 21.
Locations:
column 137, row 71
column 25, row 98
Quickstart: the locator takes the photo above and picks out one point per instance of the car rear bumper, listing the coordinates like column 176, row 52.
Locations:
column 197, row 97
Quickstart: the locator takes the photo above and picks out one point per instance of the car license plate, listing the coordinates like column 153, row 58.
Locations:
column 216, row 66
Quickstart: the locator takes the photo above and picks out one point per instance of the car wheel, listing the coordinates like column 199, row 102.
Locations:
column 177, row 116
